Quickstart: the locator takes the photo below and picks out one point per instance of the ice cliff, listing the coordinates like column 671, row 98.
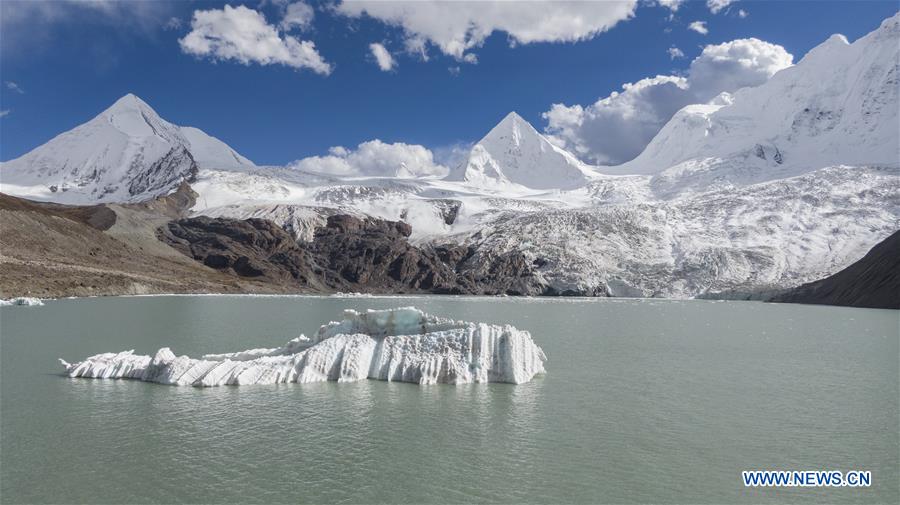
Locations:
column 404, row 345
column 22, row 300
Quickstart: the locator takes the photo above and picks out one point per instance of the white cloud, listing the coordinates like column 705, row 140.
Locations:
column 675, row 53
column 742, row 13
column 374, row 159
column 417, row 46
column 29, row 23
column 383, row 57
column 733, row 65
column 12, row 86
column 174, row 23
column 699, row 27
column 4, row 113
column 457, row 27
column 243, row 35
column 618, row 127
column 715, row 6
column 453, row 155
column 297, row 15
column 672, row 5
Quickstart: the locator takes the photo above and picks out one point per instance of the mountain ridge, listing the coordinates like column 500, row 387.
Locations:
column 127, row 153
column 837, row 105
column 754, row 192
column 515, row 153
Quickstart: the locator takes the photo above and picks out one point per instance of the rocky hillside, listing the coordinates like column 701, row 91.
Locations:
column 766, row 189
column 347, row 254
column 873, row 281
column 52, row 250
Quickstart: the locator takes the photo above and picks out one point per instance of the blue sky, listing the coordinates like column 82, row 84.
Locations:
column 69, row 62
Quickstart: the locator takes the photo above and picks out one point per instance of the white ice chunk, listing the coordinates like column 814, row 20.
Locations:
column 404, row 345
column 22, row 300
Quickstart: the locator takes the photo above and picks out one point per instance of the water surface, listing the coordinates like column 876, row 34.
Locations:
column 645, row 401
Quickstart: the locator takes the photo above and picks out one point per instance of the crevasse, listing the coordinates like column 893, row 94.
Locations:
column 404, row 345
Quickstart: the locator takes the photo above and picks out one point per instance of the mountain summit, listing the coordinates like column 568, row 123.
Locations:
column 839, row 105
column 514, row 153
column 126, row 153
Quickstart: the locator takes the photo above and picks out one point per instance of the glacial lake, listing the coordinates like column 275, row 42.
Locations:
column 644, row 401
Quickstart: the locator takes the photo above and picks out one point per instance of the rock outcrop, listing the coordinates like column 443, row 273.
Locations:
column 349, row 254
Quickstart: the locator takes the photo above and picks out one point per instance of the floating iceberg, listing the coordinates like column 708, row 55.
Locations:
column 404, row 345
column 22, row 300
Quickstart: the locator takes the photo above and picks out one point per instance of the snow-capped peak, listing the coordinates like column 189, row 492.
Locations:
column 133, row 117
column 128, row 102
column 513, row 125
column 125, row 153
column 837, row 105
column 514, row 153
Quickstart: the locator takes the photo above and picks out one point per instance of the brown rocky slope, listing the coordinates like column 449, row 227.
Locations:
column 52, row 250
column 348, row 254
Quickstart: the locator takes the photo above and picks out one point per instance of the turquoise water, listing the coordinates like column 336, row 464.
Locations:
column 644, row 401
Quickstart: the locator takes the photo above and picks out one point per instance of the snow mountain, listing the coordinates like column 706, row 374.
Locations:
column 765, row 189
column 127, row 153
column 839, row 105
column 513, row 153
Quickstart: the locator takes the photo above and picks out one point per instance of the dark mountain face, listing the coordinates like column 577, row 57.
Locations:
column 349, row 254
column 873, row 281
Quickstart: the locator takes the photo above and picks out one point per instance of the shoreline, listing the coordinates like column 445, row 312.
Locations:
column 492, row 298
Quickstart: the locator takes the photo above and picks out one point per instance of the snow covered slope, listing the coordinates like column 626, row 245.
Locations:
column 764, row 189
column 127, row 153
column 514, row 153
column 738, row 240
column 210, row 152
column 838, row 105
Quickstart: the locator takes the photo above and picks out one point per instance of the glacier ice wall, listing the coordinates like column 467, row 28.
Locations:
column 22, row 300
column 404, row 345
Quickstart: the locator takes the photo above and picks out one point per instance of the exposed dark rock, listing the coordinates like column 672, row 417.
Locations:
column 350, row 254
column 176, row 167
column 99, row 217
column 173, row 205
column 873, row 281
column 449, row 210
column 248, row 248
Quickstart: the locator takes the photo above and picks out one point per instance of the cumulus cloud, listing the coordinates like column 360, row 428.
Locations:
column 297, row 15
column 675, row 53
column 715, row 6
column 417, row 46
column 452, row 155
column 455, row 28
column 243, row 35
column 699, row 27
column 383, row 57
column 375, row 159
column 672, row 5
column 12, row 86
column 4, row 113
column 742, row 13
column 616, row 128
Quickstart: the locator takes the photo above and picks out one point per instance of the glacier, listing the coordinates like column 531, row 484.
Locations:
column 764, row 189
column 401, row 345
column 26, row 301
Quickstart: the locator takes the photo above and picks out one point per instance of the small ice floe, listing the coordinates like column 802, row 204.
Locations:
column 22, row 300
column 354, row 294
column 404, row 345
